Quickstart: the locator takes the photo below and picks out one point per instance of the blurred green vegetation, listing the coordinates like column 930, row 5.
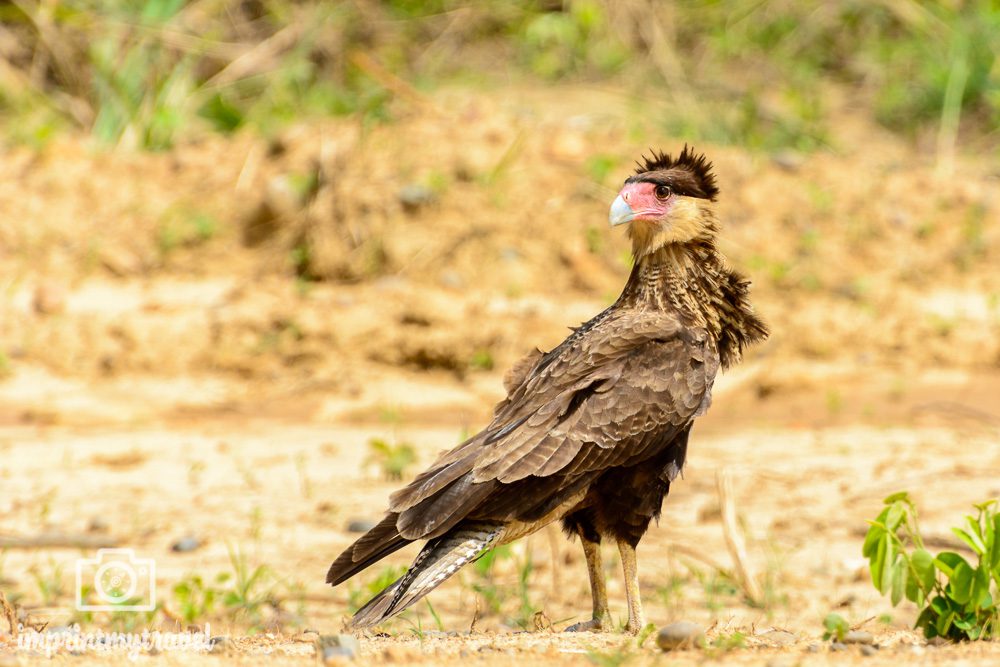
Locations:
column 760, row 73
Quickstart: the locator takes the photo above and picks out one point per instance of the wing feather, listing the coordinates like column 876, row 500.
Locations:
column 614, row 393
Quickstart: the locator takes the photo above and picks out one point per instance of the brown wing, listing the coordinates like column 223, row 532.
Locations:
column 614, row 393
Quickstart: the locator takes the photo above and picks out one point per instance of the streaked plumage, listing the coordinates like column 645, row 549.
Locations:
column 593, row 432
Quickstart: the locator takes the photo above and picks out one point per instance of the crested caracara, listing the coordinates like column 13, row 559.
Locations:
column 593, row 432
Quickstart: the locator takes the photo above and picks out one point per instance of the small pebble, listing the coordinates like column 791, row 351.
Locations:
column 813, row 648
column 682, row 634
column 50, row 299
column 838, row 646
column 787, row 160
column 859, row 637
column 185, row 544
column 346, row 645
column 219, row 645
column 414, row 196
column 360, row 525
column 335, row 654
column 867, row 649
column 97, row 525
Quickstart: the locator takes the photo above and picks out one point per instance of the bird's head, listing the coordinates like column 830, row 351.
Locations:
column 668, row 200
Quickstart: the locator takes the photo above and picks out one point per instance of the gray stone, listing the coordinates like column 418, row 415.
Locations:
column 682, row 634
column 838, row 646
column 868, row 650
column 186, row 544
column 788, row 160
column 859, row 637
column 220, row 644
column 360, row 525
column 415, row 195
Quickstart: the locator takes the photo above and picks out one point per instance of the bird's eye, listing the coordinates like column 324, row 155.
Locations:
column 662, row 191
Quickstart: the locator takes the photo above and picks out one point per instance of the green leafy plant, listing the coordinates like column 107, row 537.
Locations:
column 958, row 600
column 195, row 598
column 358, row 595
column 612, row 658
column 835, row 627
column 729, row 642
column 496, row 596
column 241, row 594
column 392, row 459
column 49, row 582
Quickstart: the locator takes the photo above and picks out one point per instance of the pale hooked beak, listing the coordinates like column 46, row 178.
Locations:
column 620, row 212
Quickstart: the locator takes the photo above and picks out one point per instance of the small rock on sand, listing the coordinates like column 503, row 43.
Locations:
column 859, row 637
column 682, row 634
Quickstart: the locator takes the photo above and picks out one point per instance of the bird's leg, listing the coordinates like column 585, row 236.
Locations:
column 598, row 591
column 631, row 572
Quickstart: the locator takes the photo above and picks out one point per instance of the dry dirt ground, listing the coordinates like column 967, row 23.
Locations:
column 204, row 343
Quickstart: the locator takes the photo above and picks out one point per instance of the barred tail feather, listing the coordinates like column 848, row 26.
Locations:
column 436, row 562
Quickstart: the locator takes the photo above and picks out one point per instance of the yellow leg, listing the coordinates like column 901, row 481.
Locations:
column 631, row 571
column 598, row 591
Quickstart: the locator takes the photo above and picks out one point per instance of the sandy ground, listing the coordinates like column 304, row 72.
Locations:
column 156, row 389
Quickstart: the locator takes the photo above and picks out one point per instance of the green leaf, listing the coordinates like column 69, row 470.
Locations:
column 947, row 561
column 897, row 513
column 877, row 565
column 923, row 567
column 943, row 624
column 975, row 530
column 903, row 496
column 898, row 583
column 995, row 556
column 960, row 584
column 973, row 543
column 875, row 533
column 890, row 557
column 926, row 620
column 913, row 592
column 980, row 596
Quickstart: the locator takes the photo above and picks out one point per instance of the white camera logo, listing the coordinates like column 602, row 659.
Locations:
column 119, row 580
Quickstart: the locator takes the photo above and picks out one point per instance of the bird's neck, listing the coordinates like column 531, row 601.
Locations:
column 694, row 281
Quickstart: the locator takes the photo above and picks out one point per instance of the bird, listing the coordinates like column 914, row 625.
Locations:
column 593, row 432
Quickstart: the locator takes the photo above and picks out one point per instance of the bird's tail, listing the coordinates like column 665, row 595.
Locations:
column 439, row 559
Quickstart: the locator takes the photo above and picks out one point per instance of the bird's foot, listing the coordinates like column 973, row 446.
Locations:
column 593, row 625
column 634, row 626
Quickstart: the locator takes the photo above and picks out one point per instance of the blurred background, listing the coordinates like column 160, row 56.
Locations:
column 261, row 260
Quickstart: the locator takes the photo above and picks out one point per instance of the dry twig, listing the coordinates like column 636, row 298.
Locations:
column 734, row 539
column 9, row 614
column 56, row 540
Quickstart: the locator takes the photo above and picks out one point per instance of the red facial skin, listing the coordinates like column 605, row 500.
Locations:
column 642, row 199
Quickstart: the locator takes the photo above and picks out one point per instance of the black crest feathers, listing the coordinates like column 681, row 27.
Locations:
column 697, row 165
